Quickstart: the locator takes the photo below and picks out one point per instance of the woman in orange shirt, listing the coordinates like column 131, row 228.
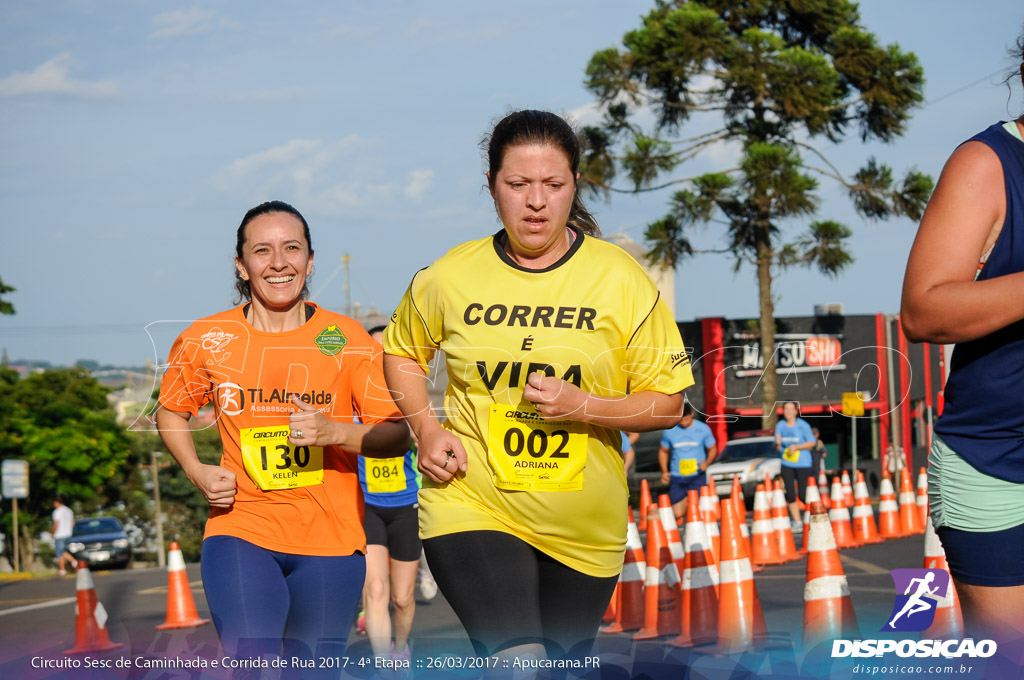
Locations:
column 283, row 553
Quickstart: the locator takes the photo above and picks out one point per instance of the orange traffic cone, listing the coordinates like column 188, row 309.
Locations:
column 922, row 496
column 91, row 621
column 740, row 618
column 812, row 496
column 699, row 624
column 645, row 503
column 762, row 533
column 847, row 490
column 737, row 497
column 949, row 621
column 888, row 511
column 741, row 513
column 781, row 525
column 909, row 519
column 828, row 612
column 181, row 608
column 716, row 502
column 661, row 591
column 842, row 530
column 609, row 613
column 864, row 529
column 823, row 489
column 707, row 511
column 629, row 605
column 668, row 523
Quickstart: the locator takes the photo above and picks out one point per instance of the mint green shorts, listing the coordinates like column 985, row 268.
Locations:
column 961, row 497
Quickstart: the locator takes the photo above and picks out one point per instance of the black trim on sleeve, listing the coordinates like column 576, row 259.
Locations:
column 412, row 299
column 501, row 238
column 641, row 324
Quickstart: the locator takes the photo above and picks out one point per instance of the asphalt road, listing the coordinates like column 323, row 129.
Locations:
column 37, row 622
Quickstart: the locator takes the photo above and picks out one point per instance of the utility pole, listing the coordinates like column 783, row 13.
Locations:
column 345, row 259
column 154, row 469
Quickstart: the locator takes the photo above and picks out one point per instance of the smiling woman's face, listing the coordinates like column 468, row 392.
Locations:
column 275, row 260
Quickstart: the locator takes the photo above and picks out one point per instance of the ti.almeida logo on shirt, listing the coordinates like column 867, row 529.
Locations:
column 331, row 340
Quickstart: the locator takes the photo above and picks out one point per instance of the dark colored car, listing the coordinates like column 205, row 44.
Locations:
column 101, row 541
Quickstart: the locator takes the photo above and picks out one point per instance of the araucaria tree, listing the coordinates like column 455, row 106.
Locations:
column 781, row 78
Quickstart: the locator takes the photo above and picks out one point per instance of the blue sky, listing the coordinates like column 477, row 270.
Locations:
column 134, row 136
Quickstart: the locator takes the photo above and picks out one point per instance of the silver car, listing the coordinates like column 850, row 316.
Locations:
column 749, row 458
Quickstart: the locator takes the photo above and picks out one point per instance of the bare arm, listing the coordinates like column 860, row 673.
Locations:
column 712, row 453
column 437, row 446
column 216, row 483
column 663, row 464
column 376, row 440
column 942, row 302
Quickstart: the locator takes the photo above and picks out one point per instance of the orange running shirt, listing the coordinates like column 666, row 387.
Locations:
column 248, row 375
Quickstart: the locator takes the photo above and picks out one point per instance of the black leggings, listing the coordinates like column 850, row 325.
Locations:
column 507, row 593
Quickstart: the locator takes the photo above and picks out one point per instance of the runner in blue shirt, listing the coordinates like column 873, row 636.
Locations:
column 686, row 451
column 793, row 437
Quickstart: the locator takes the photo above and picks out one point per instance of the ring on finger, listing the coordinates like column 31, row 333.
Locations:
column 298, row 434
column 446, row 460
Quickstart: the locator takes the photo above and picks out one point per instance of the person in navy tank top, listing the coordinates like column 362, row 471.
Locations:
column 964, row 286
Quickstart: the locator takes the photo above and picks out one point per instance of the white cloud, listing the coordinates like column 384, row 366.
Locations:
column 419, row 182
column 51, row 77
column 326, row 177
column 182, row 22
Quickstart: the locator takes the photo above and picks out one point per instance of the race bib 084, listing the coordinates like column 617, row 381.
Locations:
column 274, row 464
column 385, row 475
column 532, row 454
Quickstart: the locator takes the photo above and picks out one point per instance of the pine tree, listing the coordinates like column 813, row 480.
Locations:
column 782, row 76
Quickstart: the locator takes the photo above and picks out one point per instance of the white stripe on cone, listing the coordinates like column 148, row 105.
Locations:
column 667, row 575
column 820, row 539
column 700, row 577
column 633, row 571
column 825, row 588
column 735, row 571
column 175, row 561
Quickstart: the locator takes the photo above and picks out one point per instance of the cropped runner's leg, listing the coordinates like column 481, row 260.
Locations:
column 572, row 605
column 490, row 580
column 324, row 595
column 248, row 598
column 404, row 548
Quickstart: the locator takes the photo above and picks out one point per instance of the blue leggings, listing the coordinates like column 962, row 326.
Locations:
column 261, row 600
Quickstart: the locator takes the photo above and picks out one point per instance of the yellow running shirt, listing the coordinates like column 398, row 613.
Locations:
column 594, row 319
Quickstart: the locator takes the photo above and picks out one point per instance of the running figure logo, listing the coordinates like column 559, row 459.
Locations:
column 914, row 609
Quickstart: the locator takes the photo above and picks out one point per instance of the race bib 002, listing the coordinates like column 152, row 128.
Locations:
column 532, row 454
column 385, row 475
column 274, row 464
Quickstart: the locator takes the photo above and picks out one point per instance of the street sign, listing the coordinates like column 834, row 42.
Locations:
column 853, row 404
column 14, row 473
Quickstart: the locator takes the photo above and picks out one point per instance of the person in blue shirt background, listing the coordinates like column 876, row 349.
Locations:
column 793, row 437
column 686, row 451
column 628, row 453
column 390, row 489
